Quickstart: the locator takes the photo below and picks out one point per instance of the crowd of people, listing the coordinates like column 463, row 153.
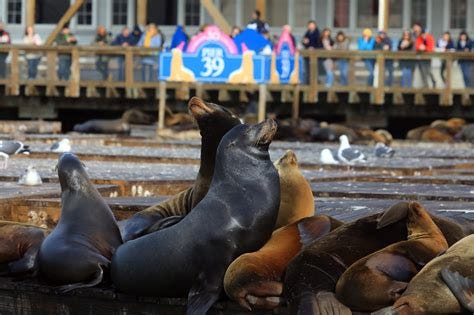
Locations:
column 417, row 39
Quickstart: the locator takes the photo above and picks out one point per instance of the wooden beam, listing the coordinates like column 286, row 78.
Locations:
column 216, row 15
column 384, row 15
column 30, row 12
column 261, row 5
column 262, row 102
column 64, row 19
column 142, row 6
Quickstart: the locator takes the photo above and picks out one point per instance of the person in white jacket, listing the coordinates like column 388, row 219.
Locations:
column 33, row 58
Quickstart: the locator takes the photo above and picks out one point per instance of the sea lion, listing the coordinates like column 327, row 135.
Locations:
column 103, row 126
column 19, row 245
column 297, row 199
column 254, row 280
column 214, row 122
column 427, row 292
column 236, row 216
column 378, row 280
column 312, row 275
column 78, row 249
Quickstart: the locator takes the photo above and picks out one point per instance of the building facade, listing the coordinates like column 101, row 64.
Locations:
column 348, row 15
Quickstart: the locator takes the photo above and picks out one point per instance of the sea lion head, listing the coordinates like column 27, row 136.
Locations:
column 287, row 160
column 212, row 118
column 71, row 172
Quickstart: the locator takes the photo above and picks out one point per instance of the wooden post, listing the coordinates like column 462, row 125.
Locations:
column 216, row 15
column 161, row 107
column 447, row 97
column 262, row 7
column 313, row 77
column 384, row 15
column 128, row 71
column 64, row 19
column 379, row 97
column 295, row 106
column 74, row 89
column 30, row 12
column 262, row 101
column 15, row 72
column 142, row 12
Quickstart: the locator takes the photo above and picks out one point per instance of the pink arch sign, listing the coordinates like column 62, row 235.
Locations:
column 212, row 33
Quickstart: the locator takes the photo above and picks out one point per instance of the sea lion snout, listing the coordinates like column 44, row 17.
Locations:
column 70, row 171
column 288, row 158
column 198, row 107
column 266, row 130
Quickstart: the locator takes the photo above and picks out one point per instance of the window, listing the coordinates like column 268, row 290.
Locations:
column 228, row 9
column 84, row 15
column 192, row 12
column 458, row 13
column 50, row 11
column 162, row 12
column 14, row 11
column 302, row 13
column 341, row 13
column 418, row 12
column 277, row 12
column 367, row 13
column 119, row 12
column 396, row 14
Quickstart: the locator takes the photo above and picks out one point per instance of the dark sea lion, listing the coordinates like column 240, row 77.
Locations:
column 297, row 200
column 427, row 292
column 80, row 247
column 312, row 275
column 378, row 280
column 236, row 216
column 214, row 122
column 254, row 280
column 19, row 245
column 106, row 126
column 466, row 133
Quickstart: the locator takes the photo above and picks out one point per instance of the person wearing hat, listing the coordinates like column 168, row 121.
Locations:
column 367, row 43
column 424, row 42
column 4, row 40
column 383, row 42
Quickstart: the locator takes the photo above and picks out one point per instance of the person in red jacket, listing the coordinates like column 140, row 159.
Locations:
column 424, row 42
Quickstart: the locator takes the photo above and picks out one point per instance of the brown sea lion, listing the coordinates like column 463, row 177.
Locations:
column 254, row 280
column 436, row 134
column 19, row 245
column 415, row 134
column 214, row 122
column 311, row 277
column 378, row 280
column 427, row 292
column 297, row 199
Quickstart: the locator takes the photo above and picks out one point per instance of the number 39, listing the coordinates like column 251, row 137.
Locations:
column 214, row 66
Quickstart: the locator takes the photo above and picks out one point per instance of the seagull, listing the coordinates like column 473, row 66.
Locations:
column 30, row 177
column 348, row 155
column 327, row 157
column 4, row 163
column 383, row 151
column 12, row 147
column 62, row 146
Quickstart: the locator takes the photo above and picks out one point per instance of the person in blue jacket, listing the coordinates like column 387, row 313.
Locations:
column 367, row 43
column 124, row 39
column 179, row 36
column 465, row 45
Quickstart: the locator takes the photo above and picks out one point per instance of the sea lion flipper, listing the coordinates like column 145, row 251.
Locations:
column 393, row 214
column 164, row 223
column 322, row 303
column 26, row 264
column 99, row 275
column 201, row 298
column 462, row 287
column 312, row 228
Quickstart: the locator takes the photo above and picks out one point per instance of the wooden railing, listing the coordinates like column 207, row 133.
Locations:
column 83, row 59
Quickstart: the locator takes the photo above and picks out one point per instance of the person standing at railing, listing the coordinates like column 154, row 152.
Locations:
column 328, row 63
column 4, row 40
column 445, row 43
column 342, row 43
column 257, row 23
column 424, row 42
column 383, row 42
column 311, row 40
column 367, row 43
column 465, row 45
column 33, row 58
column 65, row 38
column 124, row 39
column 150, row 39
column 407, row 66
column 102, row 38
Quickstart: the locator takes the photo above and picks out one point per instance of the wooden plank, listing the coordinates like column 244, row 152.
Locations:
column 379, row 91
column 142, row 8
column 447, row 96
column 262, row 101
column 216, row 15
column 30, row 12
column 38, row 126
column 313, row 78
column 161, row 106
column 63, row 21
column 74, row 90
column 384, row 15
column 295, row 106
column 15, row 73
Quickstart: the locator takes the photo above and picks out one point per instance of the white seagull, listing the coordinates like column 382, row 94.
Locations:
column 62, row 146
column 30, row 177
column 347, row 154
column 327, row 157
column 383, row 151
column 12, row 147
